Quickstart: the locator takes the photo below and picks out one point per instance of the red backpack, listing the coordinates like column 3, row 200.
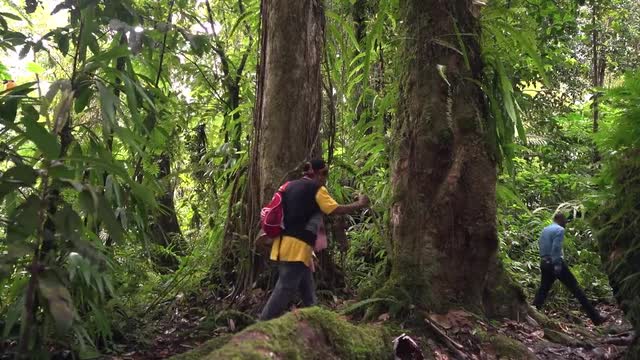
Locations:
column 272, row 215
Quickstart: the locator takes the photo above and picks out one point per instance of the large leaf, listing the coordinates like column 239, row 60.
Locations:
column 13, row 313
column 45, row 141
column 34, row 68
column 108, row 218
column 82, row 100
column 25, row 220
column 346, row 27
column 11, row 16
column 16, row 177
column 63, row 42
column 108, row 103
column 9, row 102
column 20, row 174
column 113, row 53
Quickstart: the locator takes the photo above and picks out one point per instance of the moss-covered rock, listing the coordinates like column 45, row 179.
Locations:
column 311, row 333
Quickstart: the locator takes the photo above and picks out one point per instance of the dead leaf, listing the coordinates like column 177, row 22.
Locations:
column 441, row 320
column 440, row 355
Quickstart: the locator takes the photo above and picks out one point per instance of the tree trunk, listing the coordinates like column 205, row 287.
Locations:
column 598, row 63
column 287, row 114
column 444, row 236
column 166, row 229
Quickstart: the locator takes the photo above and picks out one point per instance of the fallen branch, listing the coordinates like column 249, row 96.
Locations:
column 624, row 339
column 453, row 345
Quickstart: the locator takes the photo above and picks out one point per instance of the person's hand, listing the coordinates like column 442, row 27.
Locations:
column 363, row 200
column 557, row 268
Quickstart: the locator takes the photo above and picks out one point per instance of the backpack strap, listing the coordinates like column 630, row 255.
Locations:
column 283, row 187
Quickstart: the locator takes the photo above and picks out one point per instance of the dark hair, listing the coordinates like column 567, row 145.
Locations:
column 313, row 166
column 559, row 217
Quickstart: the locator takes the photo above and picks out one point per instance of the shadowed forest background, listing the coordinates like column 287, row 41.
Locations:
column 139, row 140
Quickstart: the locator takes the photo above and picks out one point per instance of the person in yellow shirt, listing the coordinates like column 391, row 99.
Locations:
column 305, row 202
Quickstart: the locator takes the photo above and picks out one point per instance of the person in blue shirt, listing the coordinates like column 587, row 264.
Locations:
column 552, row 267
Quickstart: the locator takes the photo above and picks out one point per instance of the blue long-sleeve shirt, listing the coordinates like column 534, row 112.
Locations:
column 551, row 240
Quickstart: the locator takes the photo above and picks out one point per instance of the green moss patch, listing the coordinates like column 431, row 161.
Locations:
column 312, row 333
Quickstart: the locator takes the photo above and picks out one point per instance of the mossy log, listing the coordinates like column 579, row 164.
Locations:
column 311, row 333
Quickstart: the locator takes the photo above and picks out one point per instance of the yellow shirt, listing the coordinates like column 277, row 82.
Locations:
column 294, row 249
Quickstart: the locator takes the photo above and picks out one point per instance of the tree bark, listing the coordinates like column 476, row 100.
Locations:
column 443, row 215
column 287, row 115
column 166, row 229
column 598, row 66
column 290, row 113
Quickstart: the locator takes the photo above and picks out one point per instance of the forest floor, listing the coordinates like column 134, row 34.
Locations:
column 187, row 323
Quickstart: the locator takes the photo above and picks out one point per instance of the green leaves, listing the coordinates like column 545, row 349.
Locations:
column 45, row 141
column 110, row 54
column 509, row 102
column 10, row 16
column 108, row 103
column 34, row 68
column 9, row 102
column 62, row 40
column 82, row 100
column 24, row 221
column 199, row 43
column 20, row 174
column 16, row 177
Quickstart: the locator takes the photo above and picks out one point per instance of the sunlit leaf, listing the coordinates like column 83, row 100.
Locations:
column 34, row 68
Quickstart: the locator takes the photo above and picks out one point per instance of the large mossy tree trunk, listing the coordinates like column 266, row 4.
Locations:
column 287, row 119
column 444, row 236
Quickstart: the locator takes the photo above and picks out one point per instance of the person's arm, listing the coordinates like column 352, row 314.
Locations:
column 556, row 249
column 363, row 202
column 330, row 207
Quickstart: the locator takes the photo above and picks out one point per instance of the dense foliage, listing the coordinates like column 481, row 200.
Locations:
column 617, row 206
column 125, row 143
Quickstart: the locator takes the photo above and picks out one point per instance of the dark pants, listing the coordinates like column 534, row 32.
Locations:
column 292, row 276
column 566, row 277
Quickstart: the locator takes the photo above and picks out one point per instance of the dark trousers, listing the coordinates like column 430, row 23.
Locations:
column 566, row 277
column 292, row 277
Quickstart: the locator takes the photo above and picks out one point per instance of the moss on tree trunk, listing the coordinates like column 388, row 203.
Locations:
column 443, row 215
